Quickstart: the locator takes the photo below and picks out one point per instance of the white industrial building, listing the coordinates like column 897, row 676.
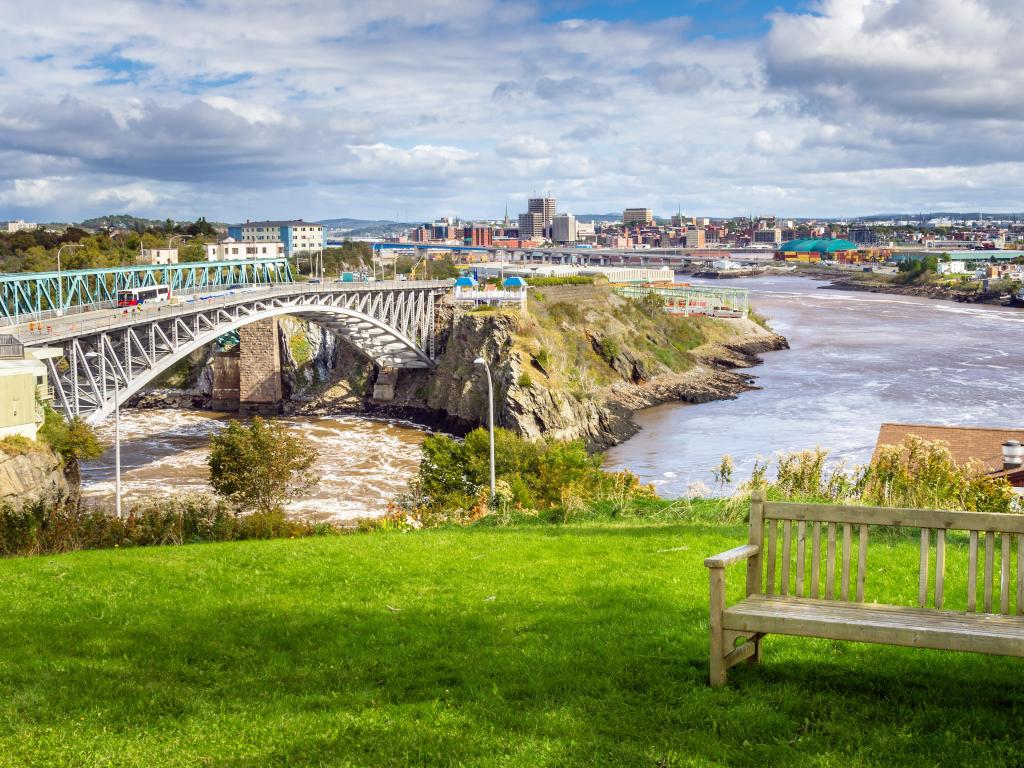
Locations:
column 230, row 249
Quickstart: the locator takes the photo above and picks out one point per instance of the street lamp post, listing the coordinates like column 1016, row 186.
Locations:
column 490, row 414
column 60, row 282
column 117, row 447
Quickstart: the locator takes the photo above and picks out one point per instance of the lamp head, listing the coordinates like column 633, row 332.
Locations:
column 479, row 361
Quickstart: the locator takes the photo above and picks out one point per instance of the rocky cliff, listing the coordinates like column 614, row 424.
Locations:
column 27, row 472
column 577, row 365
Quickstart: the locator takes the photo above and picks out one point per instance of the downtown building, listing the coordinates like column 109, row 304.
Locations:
column 642, row 216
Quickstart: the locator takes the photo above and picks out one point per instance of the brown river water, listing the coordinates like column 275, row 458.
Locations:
column 857, row 360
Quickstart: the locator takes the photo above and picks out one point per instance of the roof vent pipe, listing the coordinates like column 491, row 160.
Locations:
column 1013, row 454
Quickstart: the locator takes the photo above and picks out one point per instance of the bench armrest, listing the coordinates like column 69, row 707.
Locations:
column 734, row 555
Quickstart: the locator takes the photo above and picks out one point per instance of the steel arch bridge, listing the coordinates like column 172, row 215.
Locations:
column 121, row 352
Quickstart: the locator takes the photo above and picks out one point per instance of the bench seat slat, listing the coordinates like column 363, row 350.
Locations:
column 891, row 625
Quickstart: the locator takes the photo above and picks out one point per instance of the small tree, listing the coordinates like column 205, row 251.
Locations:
column 74, row 440
column 260, row 467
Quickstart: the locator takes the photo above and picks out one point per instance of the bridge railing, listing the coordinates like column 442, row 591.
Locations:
column 35, row 332
column 41, row 295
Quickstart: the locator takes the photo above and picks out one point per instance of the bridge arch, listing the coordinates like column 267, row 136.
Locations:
column 128, row 356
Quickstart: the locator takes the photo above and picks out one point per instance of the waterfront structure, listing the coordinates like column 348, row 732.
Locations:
column 230, row 249
column 511, row 293
column 158, row 256
column 298, row 236
column 564, row 229
column 691, row 300
column 641, row 216
column 23, row 387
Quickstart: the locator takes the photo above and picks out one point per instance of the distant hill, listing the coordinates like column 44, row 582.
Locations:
column 598, row 216
column 366, row 227
column 937, row 215
column 121, row 221
column 127, row 221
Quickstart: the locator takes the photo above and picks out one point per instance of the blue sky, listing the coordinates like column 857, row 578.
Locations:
column 721, row 18
column 330, row 108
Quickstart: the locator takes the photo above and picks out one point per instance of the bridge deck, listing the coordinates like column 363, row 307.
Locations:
column 55, row 329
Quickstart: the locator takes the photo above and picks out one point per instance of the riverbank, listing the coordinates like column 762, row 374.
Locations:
column 874, row 282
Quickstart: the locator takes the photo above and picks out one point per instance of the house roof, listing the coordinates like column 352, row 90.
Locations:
column 982, row 444
column 514, row 282
column 818, row 246
column 292, row 223
column 465, row 282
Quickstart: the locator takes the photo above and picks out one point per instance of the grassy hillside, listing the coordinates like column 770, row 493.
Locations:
column 568, row 646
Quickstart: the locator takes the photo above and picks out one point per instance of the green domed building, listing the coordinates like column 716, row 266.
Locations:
column 816, row 250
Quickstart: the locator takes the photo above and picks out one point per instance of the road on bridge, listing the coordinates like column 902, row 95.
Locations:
column 71, row 325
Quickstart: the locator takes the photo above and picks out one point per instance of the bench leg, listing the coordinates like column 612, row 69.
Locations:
column 718, row 649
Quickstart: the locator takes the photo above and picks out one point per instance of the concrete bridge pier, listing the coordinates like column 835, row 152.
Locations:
column 259, row 368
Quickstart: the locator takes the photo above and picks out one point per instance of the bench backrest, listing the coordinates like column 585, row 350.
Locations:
column 781, row 530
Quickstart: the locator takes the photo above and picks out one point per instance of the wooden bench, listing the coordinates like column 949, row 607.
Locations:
column 785, row 597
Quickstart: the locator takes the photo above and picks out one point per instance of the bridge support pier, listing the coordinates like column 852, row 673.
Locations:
column 259, row 368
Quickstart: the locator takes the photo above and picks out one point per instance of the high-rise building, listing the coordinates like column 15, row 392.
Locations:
column 563, row 228
column 545, row 206
column 531, row 225
column 642, row 216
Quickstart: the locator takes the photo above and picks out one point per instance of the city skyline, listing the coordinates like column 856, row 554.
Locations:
column 839, row 108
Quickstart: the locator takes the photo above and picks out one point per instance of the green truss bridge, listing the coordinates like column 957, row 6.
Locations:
column 40, row 295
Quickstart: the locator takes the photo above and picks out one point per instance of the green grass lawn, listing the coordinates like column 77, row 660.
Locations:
column 547, row 646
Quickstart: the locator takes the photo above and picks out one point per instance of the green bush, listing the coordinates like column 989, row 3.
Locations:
column 917, row 473
column 609, row 349
column 49, row 525
column 524, row 380
column 555, row 480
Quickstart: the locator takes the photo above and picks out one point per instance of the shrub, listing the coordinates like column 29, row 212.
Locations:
column 556, row 478
column 261, row 466
column 916, row 473
column 609, row 349
column 524, row 380
column 47, row 525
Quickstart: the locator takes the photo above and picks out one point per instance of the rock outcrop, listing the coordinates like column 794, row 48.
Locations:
column 26, row 474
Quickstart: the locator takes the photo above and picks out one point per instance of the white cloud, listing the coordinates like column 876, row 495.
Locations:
column 332, row 107
column 524, row 147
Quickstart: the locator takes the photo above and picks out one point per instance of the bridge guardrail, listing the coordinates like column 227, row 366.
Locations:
column 56, row 329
